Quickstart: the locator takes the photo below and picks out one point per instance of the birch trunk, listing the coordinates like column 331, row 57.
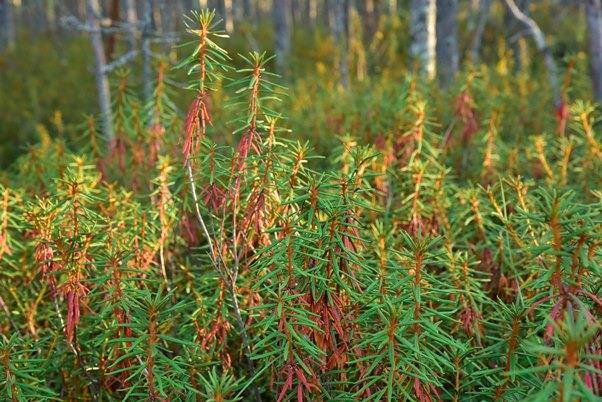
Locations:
column 423, row 33
column 311, row 11
column 594, row 31
column 226, row 14
column 102, row 83
column 447, row 40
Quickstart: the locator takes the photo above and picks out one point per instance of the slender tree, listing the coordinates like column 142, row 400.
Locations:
column 225, row 11
column 423, row 33
column 102, row 83
column 477, row 37
column 594, row 29
column 447, row 40
column 7, row 29
column 340, row 13
column 157, row 17
column 111, row 37
column 311, row 11
column 393, row 7
column 131, row 15
column 147, row 28
column 50, row 14
column 247, row 9
column 369, row 15
column 282, row 27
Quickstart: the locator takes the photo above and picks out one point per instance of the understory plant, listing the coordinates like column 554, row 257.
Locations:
column 194, row 260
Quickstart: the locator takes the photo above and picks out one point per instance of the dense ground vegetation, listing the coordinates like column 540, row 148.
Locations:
column 446, row 247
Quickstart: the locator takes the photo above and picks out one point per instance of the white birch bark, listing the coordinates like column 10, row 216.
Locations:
column 102, row 83
column 228, row 15
column 312, row 11
column 424, row 37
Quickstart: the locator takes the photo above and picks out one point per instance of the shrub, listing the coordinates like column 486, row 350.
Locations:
column 171, row 267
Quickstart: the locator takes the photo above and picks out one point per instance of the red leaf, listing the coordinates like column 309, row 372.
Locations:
column 562, row 116
column 287, row 385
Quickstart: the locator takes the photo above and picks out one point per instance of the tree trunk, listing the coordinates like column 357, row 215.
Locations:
column 156, row 16
column 7, row 28
column 131, row 15
column 81, row 9
column 447, row 40
column 247, row 9
column 50, row 15
column 594, row 30
column 147, row 28
column 311, row 11
column 166, row 15
column 369, row 16
column 477, row 37
column 340, row 13
column 282, row 24
column 423, row 33
column 225, row 8
column 102, row 83
column 540, row 42
column 327, row 14
column 393, row 7
column 112, row 37
column 295, row 12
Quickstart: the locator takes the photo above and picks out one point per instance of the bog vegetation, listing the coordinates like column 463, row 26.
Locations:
column 447, row 247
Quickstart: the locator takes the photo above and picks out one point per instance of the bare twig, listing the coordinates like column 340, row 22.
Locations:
column 122, row 60
column 8, row 315
column 74, row 23
column 540, row 42
column 230, row 280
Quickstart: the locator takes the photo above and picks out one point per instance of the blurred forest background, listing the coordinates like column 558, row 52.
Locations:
column 334, row 55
